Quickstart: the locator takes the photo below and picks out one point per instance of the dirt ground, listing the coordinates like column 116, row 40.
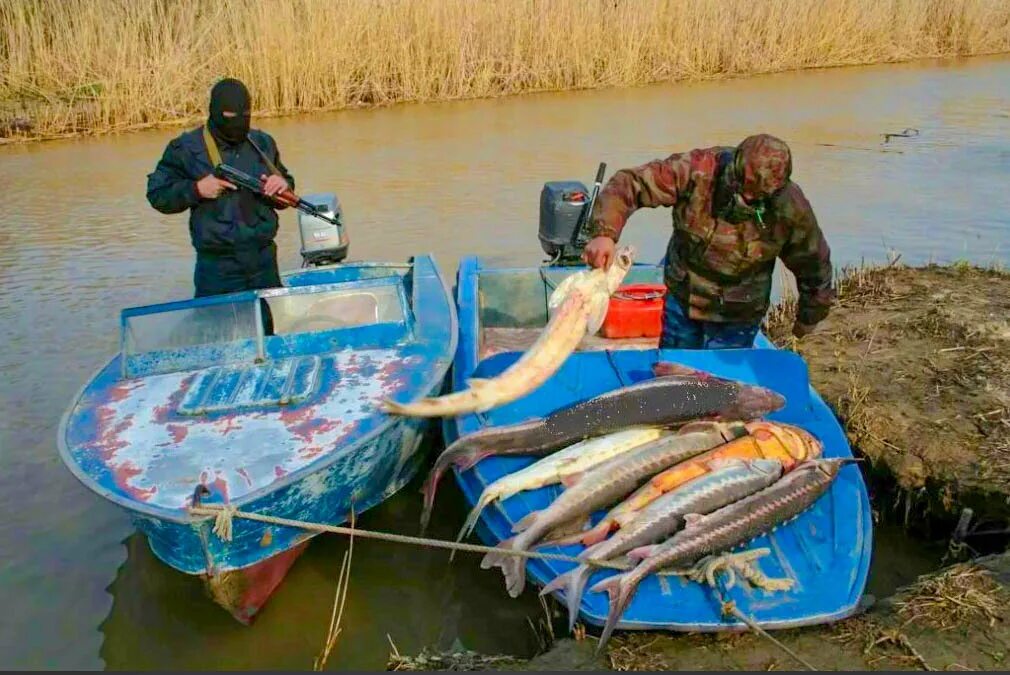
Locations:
column 916, row 364
column 956, row 619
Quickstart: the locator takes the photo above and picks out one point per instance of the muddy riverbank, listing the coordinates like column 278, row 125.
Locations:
column 916, row 364
column 955, row 619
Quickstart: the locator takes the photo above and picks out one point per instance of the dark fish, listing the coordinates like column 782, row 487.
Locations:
column 722, row 530
column 666, row 401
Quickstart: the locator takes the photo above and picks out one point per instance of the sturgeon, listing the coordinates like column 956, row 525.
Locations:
column 577, row 307
column 730, row 480
column 661, row 401
column 607, row 482
column 719, row 531
column 562, row 467
column 765, row 440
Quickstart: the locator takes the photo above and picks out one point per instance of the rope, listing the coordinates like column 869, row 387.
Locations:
column 745, row 562
column 223, row 516
column 730, row 608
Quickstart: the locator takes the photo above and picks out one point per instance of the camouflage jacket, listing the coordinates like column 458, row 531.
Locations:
column 721, row 257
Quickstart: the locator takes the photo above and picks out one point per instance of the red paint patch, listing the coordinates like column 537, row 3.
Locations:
column 123, row 474
column 109, row 441
column 304, row 425
column 121, row 391
column 226, row 425
column 245, row 475
column 279, row 472
column 220, row 487
column 178, row 432
column 162, row 413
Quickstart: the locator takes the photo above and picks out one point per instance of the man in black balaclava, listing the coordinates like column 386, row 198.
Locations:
column 232, row 230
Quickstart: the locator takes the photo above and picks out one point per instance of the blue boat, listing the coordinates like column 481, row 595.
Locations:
column 199, row 401
column 826, row 551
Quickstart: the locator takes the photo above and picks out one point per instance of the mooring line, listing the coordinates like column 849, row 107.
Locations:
column 223, row 529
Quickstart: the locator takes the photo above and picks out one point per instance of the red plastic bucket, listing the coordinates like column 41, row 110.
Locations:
column 636, row 310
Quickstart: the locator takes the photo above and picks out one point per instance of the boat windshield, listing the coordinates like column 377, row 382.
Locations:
column 294, row 313
column 221, row 330
column 190, row 337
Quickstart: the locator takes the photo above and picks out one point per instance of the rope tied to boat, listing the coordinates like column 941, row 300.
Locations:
column 222, row 522
column 705, row 571
column 223, row 515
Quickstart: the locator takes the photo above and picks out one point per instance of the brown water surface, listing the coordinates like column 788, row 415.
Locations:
column 79, row 242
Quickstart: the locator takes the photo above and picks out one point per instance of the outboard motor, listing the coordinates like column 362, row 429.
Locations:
column 565, row 207
column 323, row 243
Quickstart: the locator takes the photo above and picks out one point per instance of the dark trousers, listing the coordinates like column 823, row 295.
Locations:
column 239, row 270
column 682, row 332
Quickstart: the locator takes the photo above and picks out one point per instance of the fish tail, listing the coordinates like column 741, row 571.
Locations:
column 429, row 489
column 557, row 583
column 573, row 583
column 471, row 519
column 619, row 592
column 513, row 567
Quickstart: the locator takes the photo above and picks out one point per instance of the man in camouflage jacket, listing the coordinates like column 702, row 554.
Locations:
column 735, row 210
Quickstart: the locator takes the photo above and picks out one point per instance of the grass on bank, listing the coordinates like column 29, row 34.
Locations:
column 92, row 66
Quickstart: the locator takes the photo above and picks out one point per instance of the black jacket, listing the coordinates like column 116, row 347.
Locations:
column 217, row 226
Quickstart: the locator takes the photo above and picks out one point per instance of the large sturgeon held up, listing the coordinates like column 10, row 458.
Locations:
column 765, row 440
column 607, row 482
column 660, row 401
column 719, row 531
column 577, row 307
column 730, row 480
column 562, row 467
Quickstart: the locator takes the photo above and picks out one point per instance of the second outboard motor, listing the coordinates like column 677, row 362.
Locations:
column 565, row 207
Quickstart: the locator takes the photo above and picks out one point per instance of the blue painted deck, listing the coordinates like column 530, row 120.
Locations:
column 826, row 551
column 286, row 424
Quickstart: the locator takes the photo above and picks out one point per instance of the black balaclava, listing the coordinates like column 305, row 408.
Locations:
column 229, row 95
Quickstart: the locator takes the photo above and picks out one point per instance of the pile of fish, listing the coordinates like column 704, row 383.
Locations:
column 683, row 464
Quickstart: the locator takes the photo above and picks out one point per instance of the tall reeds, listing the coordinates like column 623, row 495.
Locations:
column 91, row 66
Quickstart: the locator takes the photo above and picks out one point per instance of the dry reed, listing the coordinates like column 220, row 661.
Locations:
column 93, row 66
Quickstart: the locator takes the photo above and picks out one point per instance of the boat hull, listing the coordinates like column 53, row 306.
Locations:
column 826, row 551
column 295, row 434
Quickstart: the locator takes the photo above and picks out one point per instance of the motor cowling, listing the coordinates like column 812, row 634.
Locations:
column 323, row 243
column 562, row 210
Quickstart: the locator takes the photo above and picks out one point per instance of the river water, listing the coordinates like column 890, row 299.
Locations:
column 79, row 242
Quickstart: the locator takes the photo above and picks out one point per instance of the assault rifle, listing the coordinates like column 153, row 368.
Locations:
column 286, row 197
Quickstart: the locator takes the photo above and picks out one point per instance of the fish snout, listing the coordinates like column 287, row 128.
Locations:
column 754, row 402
